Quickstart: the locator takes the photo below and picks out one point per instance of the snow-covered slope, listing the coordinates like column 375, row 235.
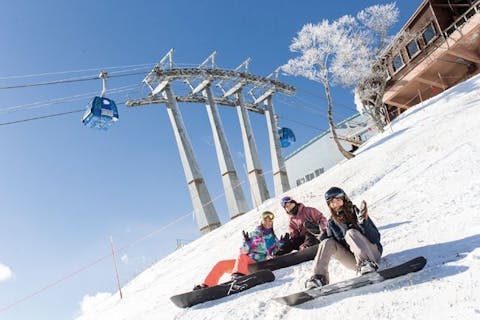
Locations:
column 421, row 180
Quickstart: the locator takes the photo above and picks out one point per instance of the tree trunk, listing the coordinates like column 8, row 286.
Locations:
column 379, row 105
column 344, row 152
column 376, row 116
column 371, row 92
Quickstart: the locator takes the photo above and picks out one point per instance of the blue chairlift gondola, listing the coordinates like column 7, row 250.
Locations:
column 101, row 112
column 286, row 136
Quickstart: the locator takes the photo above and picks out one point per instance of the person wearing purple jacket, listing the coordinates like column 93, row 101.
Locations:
column 298, row 237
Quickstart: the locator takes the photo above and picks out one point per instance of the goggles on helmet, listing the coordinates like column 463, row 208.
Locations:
column 267, row 214
column 285, row 200
column 333, row 193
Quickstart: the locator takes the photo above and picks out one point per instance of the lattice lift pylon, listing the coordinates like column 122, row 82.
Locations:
column 212, row 86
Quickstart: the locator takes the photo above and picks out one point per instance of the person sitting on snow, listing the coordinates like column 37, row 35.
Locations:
column 258, row 245
column 298, row 237
column 351, row 237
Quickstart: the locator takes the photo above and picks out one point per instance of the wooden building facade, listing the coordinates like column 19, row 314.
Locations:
column 437, row 48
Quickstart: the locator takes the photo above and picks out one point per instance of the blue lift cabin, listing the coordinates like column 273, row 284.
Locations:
column 101, row 112
column 286, row 136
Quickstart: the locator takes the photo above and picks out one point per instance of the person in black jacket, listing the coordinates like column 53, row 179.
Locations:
column 351, row 237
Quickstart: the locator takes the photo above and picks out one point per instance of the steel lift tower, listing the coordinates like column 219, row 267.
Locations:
column 206, row 84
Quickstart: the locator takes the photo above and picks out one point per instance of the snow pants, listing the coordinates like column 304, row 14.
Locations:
column 360, row 249
column 228, row 266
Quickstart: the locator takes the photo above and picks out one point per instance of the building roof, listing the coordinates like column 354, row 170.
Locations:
column 321, row 135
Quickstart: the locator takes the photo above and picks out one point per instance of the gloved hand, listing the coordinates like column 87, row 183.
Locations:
column 363, row 212
column 285, row 245
column 313, row 228
column 246, row 236
column 323, row 236
column 285, row 238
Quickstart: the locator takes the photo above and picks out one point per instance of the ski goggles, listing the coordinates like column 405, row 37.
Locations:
column 285, row 200
column 334, row 193
column 268, row 214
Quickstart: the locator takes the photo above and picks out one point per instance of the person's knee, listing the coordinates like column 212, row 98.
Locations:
column 222, row 264
column 352, row 234
column 328, row 243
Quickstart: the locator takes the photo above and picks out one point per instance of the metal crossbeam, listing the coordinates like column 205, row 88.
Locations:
column 194, row 99
column 164, row 74
column 207, row 74
column 221, row 74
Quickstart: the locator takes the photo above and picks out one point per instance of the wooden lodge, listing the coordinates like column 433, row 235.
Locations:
column 437, row 48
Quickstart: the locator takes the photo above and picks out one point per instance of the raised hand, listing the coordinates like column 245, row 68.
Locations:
column 363, row 212
column 246, row 236
column 285, row 238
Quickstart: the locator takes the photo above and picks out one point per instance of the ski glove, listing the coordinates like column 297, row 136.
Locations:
column 323, row 236
column 246, row 236
column 285, row 238
column 284, row 241
column 362, row 214
column 313, row 228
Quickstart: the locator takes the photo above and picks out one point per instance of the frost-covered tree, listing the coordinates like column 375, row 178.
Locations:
column 369, row 91
column 342, row 52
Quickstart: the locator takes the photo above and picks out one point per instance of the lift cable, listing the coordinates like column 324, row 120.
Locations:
column 38, row 104
column 128, row 67
column 69, row 80
column 43, row 117
column 302, row 124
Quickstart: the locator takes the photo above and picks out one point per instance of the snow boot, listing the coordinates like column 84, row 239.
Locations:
column 316, row 281
column 237, row 275
column 200, row 286
column 366, row 267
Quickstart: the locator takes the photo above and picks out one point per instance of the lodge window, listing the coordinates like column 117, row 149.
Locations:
column 318, row 172
column 413, row 49
column 300, row 181
column 428, row 34
column 397, row 62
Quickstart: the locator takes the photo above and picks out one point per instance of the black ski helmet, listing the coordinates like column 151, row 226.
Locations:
column 334, row 192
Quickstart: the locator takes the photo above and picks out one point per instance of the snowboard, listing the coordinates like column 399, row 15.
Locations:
column 413, row 265
column 284, row 261
column 194, row 297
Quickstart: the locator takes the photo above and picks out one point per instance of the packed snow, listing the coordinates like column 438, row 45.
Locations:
column 421, row 181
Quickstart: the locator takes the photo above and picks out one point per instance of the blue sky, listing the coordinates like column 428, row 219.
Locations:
column 66, row 189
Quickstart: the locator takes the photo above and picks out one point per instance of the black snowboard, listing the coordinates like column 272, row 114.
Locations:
column 284, row 261
column 192, row 298
column 294, row 299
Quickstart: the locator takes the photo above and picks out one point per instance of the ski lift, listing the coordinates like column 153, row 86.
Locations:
column 286, row 136
column 101, row 112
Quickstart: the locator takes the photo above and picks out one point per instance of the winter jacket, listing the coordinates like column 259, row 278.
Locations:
column 367, row 228
column 297, row 224
column 263, row 244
